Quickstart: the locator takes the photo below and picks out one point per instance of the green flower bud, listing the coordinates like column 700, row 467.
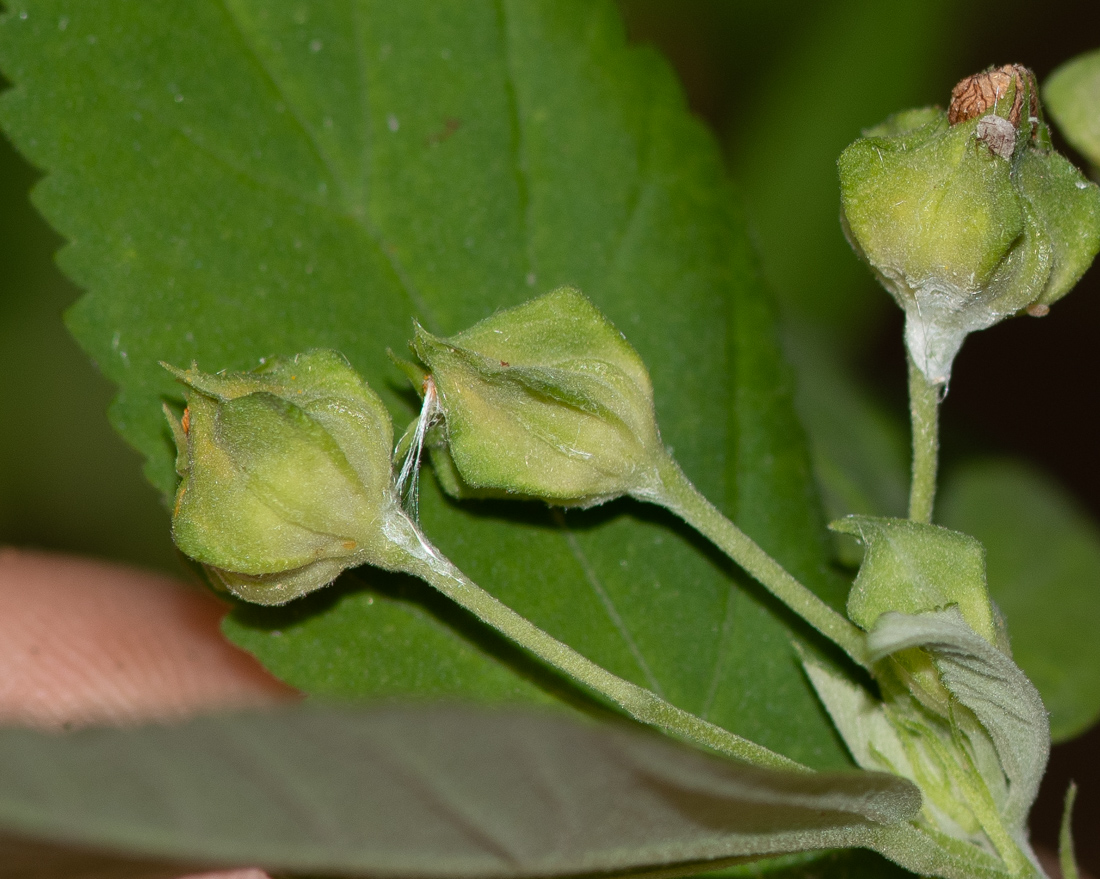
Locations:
column 286, row 476
column 953, row 713
column 1073, row 95
column 968, row 217
column 546, row 400
column 911, row 567
column 956, row 716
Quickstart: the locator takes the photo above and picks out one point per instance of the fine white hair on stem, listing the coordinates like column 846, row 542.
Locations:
column 408, row 480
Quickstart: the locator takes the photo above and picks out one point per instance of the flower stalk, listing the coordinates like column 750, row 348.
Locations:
column 548, row 400
column 426, row 562
column 954, row 714
column 924, row 411
column 680, row 496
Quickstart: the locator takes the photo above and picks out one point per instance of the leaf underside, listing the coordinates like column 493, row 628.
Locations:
column 426, row 792
column 239, row 180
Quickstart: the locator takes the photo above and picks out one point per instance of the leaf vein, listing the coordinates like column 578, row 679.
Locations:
column 612, row 612
column 242, row 172
column 519, row 163
column 353, row 209
column 360, row 37
column 728, row 625
column 431, row 788
column 319, row 151
column 362, row 216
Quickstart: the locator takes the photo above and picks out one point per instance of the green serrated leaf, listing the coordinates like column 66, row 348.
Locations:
column 246, row 179
column 440, row 791
column 72, row 490
column 1043, row 555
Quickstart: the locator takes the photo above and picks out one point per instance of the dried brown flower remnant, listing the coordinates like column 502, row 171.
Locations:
column 970, row 223
column 981, row 93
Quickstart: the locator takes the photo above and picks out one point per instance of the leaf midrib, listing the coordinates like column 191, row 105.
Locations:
column 354, row 210
column 520, row 169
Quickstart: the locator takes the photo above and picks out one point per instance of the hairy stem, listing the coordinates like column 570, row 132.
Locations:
column 679, row 495
column 1066, row 856
column 423, row 560
column 924, row 409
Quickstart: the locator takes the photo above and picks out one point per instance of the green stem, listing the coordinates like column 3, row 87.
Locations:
column 1066, row 856
column 924, row 409
column 679, row 495
column 423, row 560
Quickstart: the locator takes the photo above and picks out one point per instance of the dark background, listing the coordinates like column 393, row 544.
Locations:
column 786, row 87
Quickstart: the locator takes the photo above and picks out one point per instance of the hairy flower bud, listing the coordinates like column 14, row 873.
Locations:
column 968, row 217
column 913, row 567
column 953, row 713
column 546, row 400
column 286, row 476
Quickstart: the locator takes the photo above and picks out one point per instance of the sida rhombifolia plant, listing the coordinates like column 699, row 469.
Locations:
column 288, row 475
column 966, row 216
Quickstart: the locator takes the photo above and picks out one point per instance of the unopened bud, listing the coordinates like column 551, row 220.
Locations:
column 911, row 567
column 546, row 400
column 968, row 217
column 286, row 476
